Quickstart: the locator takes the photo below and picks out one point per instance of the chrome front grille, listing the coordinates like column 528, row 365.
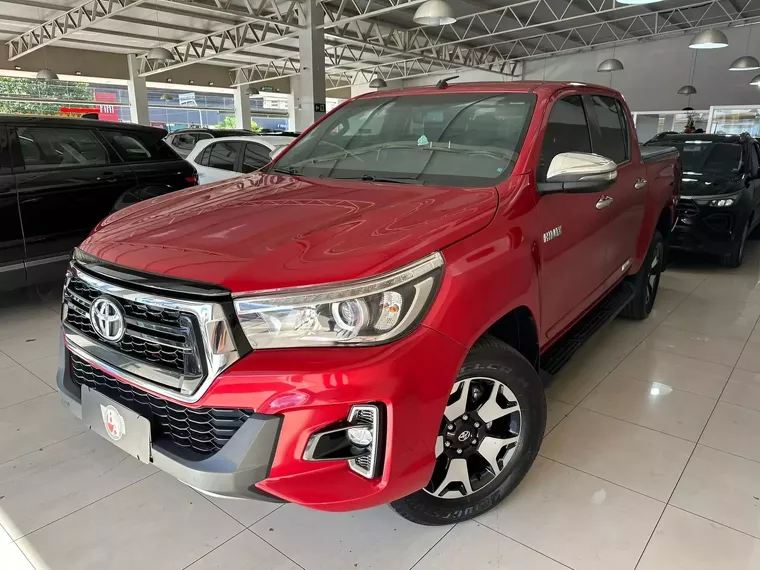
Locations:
column 170, row 346
column 154, row 335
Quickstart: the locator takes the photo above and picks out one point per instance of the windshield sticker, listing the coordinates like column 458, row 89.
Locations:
column 499, row 170
column 422, row 140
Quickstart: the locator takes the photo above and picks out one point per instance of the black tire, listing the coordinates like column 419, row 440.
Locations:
column 495, row 359
column 735, row 257
column 647, row 281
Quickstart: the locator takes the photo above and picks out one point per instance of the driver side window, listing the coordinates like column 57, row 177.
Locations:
column 566, row 131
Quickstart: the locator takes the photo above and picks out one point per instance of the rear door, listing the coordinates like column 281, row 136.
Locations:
column 223, row 158
column 158, row 169
column 754, row 179
column 610, row 137
column 12, row 272
column 255, row 157
column 68, row 180
column 572, row 225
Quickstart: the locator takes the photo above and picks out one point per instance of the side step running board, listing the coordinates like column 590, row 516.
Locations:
column 561, row 351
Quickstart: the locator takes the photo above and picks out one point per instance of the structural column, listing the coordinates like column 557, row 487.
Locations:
column 309, row 88
column 138, row 93
column 242, row 107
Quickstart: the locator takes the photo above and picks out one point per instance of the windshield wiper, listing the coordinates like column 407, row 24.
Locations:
column 371, row 178
column 292, row 170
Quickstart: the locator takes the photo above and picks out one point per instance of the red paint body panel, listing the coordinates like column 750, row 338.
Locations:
column 271, row 231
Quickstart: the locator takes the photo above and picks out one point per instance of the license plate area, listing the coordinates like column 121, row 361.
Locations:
column 118, row 424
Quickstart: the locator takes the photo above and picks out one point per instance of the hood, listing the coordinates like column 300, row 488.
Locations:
column 703, row 184
column 269, row 231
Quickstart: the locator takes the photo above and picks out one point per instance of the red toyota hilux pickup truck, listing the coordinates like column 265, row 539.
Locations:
column 373, row 318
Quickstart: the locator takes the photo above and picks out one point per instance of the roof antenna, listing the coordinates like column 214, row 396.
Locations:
column 444, row 83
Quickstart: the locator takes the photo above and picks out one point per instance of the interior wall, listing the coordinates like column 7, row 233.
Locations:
column 655, row 70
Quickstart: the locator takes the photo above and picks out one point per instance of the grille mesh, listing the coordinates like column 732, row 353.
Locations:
column 202, row 430
column 172, row 347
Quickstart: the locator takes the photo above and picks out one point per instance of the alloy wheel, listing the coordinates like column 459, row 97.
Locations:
column 653, row 275
column 478, row 437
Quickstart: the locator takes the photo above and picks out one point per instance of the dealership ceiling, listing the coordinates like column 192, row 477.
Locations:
column 258, row 39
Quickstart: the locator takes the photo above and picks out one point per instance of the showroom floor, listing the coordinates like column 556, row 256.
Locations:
column 652, row 461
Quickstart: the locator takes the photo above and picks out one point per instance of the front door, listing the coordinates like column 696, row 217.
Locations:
column 610, row 138
column 572, row 226
column 68, row 180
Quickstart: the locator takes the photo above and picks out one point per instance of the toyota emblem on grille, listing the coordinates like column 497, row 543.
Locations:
column 107, row 319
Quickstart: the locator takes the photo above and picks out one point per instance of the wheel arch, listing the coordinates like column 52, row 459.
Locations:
column 518, row 329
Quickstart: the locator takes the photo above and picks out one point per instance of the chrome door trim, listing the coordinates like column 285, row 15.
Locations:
column 640, row 183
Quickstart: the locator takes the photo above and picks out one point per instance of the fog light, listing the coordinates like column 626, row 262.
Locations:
column 360, row 436
column 358, row 440
column 365, row 421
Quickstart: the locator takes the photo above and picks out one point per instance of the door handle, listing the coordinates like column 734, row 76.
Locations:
column 109, row 177
column 640, row 183
column 603, row 202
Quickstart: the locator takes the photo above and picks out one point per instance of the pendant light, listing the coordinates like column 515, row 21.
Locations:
column 638, row 2
column 689, row 89
column 709, row 39
column 159, row 54
column 755, row 81
column 378, row 83
column 434, row 13
column 745, row 62
column 610, row 65
column 47, row 74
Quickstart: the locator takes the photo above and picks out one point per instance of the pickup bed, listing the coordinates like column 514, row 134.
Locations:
column 373, row 318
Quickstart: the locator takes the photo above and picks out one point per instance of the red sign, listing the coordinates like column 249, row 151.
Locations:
column 107, row 112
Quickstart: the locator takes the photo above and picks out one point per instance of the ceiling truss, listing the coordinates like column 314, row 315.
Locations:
column 362, row 42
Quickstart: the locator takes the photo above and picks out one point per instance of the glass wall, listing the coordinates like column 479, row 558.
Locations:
column 735, row 120
column 649, row 124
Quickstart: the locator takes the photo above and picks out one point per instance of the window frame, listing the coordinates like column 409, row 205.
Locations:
column 597, row 130
column 236, row 165
column 19, row 161
column 545, row 129
column 246, row 144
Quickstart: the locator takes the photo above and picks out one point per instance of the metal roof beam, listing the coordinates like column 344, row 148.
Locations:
column 269, row 24
column 78, row 18
column 657, row 25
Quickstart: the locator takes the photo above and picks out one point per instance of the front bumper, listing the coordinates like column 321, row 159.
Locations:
column 296, row 392
column 706, row 229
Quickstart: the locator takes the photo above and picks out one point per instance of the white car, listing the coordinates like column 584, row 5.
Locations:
column 218, row 159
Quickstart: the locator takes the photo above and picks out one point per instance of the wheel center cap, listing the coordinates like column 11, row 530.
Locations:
column 464, row 435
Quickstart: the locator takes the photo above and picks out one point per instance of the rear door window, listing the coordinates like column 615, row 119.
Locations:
column 566, row 131
column 224, row 155
column 610, row 139
column 45, row 148
column 256, row 157
column 140, row 146
column 203, row 158
column 185, row 141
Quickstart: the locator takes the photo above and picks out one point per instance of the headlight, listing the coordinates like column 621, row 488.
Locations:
column 723, row 202
column 370, row 311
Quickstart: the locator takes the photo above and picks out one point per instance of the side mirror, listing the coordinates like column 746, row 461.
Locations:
column 578, row 172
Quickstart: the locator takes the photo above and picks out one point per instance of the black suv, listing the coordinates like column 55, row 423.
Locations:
column 59, row 177
column 720, row 193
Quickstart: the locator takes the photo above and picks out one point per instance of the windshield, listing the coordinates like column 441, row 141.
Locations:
column 458, row 139
column 708, row 156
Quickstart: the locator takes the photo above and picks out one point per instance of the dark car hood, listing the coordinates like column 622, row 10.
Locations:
column 702, row 184
column 269, row 231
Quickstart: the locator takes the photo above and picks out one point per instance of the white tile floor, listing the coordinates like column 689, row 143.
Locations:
column 651, row 462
